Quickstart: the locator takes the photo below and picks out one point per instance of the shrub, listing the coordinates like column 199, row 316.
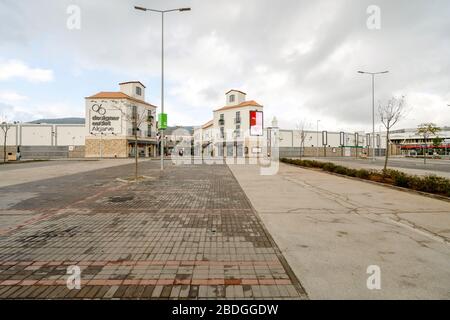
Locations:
column 400, row 179
column 415, row 183
column 329, row 167
column 306, row 163
column 315, row 164
column 351, row 172
column 363, row 173
column 430, row 184
column 435, row 184
column 342, row 170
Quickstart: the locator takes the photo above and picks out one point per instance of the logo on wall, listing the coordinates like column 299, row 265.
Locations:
column 100, row 122
column 99, row 109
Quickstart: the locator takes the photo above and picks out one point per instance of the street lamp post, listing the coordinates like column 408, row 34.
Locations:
column 317, row 138
column 373, row 108
column 162, row 12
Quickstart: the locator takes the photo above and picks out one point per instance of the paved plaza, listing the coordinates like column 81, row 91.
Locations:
column 187, row 233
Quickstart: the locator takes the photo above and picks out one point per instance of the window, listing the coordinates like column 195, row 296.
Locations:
column 238, row 117
column 231, row 98
column 222, row 132
column 138, row 91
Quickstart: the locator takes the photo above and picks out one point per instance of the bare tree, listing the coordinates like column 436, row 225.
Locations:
column 302, row 135
column 390, row 114
column 137, row 118
column 426, row 130
column 5, row 126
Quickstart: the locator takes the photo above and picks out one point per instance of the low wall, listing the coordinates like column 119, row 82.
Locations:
column 108, row 148
column 9, row 149
column 44, row 152
column 295, row 152
column 77, row 152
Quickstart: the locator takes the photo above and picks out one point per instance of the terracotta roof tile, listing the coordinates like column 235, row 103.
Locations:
column 132, row 82
column 251, row 103
column 236, row 91
column 208, row 124
column 117, row 95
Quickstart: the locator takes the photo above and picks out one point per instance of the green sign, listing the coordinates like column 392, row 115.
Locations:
column 162, row 121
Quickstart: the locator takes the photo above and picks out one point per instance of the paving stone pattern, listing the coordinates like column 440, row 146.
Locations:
column 186, row 233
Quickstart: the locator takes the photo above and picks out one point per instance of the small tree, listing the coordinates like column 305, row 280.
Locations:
column 302, row 135
column 390, row 114
column 426, row 130
column 5, row 126
column 132, row 114
column 437, row 141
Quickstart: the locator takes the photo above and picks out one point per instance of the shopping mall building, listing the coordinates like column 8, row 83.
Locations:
column 115, row 120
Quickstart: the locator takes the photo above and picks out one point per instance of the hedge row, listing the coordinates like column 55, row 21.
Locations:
column 431, row 183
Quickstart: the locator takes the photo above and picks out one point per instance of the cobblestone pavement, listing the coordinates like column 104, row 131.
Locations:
column 187, row 233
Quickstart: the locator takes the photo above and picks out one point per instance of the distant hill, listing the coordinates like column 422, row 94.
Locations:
column 60, row 121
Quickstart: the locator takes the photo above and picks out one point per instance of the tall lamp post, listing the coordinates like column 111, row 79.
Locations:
column 445, row 141
column 162, row 12
column 317, row 138
column 373, row 108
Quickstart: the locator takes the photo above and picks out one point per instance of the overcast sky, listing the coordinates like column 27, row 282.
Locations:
column 297, row 58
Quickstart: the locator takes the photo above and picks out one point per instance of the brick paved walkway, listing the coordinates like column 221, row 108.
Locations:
column 189, row 232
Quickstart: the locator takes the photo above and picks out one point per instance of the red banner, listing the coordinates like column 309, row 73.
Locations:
column 256, row 123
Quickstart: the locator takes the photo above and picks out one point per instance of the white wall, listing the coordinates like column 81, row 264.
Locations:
column 41, row 135
column 286, row 139
column 11, row 136
column 36, row 135
column 70, row 135
column 333, row 139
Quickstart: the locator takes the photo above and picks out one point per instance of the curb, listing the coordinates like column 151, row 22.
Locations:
column 425, row 194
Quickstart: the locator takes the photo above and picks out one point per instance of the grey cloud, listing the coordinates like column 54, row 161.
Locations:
column 220, row 44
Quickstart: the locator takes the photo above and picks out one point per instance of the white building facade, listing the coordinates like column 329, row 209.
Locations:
column 114, row 120
column 228, row 134
column 411, row 143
